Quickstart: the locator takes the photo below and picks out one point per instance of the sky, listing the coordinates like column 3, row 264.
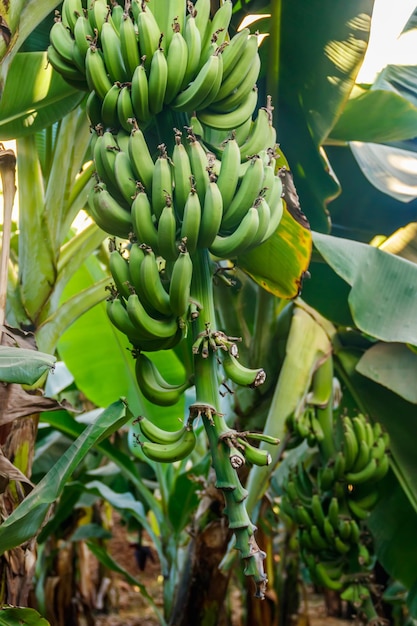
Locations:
column 388, row 19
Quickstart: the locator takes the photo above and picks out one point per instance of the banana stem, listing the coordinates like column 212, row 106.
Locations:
column 208, row 404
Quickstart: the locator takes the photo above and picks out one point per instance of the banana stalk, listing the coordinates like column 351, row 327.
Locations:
column 208, row 407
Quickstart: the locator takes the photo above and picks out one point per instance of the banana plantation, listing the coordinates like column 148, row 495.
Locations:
column 208, row 305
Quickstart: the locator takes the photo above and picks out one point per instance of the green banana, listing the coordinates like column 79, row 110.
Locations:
column 142, row 220
column 350, row 444
column 107, row 212
column 125, row 177
column 180, row 284
column 118, row 316
column 125, row 107
column 96, row 72
column 167, row 232
column 317, row 539
column 199, row 165
column 202, row 17
column 326, row 478
column 112, row 53
column 70, row 73
column 117, row 14
column 109, row 116
column 228, row 178
column 244, row 65
column 240, row 98
column 317, row 509
column 359, row 427
column 177, row 58
column 148, row 326
column 171, row 452
column 211, row 217
column 157, row 435
column 61, row 39
column 253, row 455
column 93, row 109
column 236, row 117
column 190, row 227
column 140, row 157
column 155, row 292
column 161, row 182
column 241, row 375
column 153, row 386
column 157, row 84
column 140, row 94
column 199, row 89
column 262, row 135
column 325, row 579
column 71, row 9
column 333, row 512
column 218, row 27
column 182, row 175
column 98, row 14
column 105, row 151
column 83, row 34
column 362, row 475
column 149, row 34
column 233, row 51
column 276, row 208
column 119, row 269
column 246, row 194
column 240, row 240
column 129, row 46
column 362, row 458
column 193, row 41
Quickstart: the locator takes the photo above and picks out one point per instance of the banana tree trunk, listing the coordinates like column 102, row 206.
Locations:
column 202, row 589
column 17, row 440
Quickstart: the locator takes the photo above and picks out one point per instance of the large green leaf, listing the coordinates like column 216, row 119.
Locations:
column 26, row 520
column 10, row 616
column 278, row 265
column 41, row 99
column 393, row 527
column 363, row 211
column 382, row 297
column 307, row 345
column 321, row 47
column 392, row 365
column 19, row 365
column 377, row 116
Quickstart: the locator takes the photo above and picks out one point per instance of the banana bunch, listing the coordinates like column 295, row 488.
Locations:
column 305, row 426
column 160, row 445
column 241, row 451
column 154, row 386
column 144, row 56
column 363, row 458
column 330, row 504
column 149, row 309
column 179, row 197
column 333, row 544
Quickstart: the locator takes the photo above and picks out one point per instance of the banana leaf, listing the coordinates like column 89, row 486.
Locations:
column 26, row 520
column 382, row 296
column 36, row 102
column 19, row 365
column 21, row 617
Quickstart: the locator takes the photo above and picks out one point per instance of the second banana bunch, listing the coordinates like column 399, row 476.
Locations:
column 136, row 57
column 329, row 505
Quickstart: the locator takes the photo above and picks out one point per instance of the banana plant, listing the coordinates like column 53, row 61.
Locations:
column 302, row 134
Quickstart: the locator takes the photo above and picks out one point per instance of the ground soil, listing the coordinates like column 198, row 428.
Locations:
column 133, row 610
